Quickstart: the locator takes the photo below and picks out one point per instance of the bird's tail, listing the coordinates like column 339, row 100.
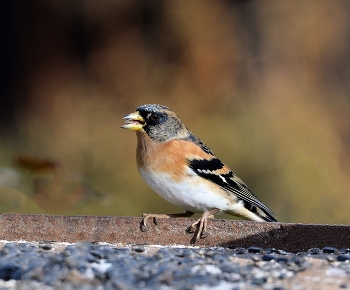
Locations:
column 267, row 216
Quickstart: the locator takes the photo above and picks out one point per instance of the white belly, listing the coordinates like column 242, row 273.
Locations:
column 196, row 194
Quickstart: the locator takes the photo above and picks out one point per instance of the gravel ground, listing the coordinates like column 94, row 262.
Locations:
column 85, row 265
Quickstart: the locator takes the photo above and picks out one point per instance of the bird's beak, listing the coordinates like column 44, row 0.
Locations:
column 133, row 121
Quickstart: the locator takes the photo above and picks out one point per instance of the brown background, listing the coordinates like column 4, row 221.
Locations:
column 264, row 83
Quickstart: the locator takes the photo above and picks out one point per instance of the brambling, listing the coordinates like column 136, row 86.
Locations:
column 179, row 167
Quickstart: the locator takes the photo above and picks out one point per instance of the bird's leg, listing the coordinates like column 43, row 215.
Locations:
column 146, row 216
column 201, row 224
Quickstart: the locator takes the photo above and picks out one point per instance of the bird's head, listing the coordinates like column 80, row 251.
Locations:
column 157, row 121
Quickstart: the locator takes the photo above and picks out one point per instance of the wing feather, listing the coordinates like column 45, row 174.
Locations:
column 215, row 171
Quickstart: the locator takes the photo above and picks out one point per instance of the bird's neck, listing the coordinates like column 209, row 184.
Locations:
column 147, row 149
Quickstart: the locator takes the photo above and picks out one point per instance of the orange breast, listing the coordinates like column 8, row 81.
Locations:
column 170, row 157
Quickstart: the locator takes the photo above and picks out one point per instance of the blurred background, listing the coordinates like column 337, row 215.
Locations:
column 265, row 84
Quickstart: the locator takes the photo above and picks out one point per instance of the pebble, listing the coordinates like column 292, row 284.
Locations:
column 343, row 258
column 253, row 249
column 330, row 250
column 101, row 266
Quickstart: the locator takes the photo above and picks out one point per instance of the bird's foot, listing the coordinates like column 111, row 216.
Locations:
column 199, row 227
column 147, row 216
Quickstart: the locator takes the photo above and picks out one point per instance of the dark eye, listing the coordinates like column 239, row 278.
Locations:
column 154, row 117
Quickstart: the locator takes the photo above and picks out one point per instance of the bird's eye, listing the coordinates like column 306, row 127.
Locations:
column 154, row 117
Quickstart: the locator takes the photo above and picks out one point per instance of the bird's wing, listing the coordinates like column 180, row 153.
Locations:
column 215, row 171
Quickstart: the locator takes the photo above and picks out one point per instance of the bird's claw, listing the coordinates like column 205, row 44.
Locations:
column 203, row 235
column 199, row 227
column 146, row 216
column 143, row 224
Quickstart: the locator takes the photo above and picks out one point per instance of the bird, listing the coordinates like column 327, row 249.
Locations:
column 180, row 168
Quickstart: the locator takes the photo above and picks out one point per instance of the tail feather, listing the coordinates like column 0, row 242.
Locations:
column 266, row 216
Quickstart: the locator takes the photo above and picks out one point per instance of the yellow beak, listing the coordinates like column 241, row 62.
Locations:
column 133, row 121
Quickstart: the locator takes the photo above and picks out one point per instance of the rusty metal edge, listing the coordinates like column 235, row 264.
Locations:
column 168, row 232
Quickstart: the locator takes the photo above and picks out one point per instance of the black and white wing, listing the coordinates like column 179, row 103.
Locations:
column 214, row 170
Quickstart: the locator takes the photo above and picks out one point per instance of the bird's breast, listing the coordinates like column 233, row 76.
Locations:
column 159, row 157
column 191, row 193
